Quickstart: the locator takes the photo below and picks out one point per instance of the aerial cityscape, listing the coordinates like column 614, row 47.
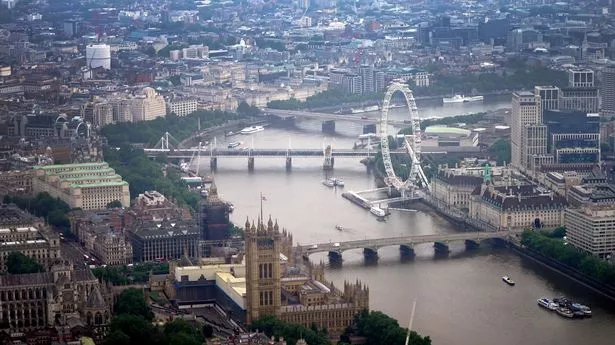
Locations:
column 307, row 172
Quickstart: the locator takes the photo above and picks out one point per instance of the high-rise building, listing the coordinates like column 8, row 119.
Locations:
column 352, row 83
column 580, row 98
column 580, row 78
column 367, row 77
column 98, row 55
column 607, row 91
column 182, row 107
column 526, row 111
column 70, row 28
column 379, row 81
column 549, row 97
column 573, row 136
column 534, row 144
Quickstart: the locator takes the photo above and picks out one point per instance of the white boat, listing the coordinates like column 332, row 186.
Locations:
column 338, row 182
column 364, row 110
column 508, row 281
column 328, row 182
column 462, row 99
column 377, row 211
column 252, row 129
column 547, row 303
column 339, row 227
column 234, row 144
column 369, row 136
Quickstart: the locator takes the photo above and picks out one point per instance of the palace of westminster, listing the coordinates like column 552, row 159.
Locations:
column 265, row 277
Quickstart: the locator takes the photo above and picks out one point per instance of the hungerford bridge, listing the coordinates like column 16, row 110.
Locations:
column 406, row 243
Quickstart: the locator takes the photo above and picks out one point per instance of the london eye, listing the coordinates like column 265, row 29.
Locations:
column 412, row 142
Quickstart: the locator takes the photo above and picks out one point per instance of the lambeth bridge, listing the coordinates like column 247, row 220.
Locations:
column 406, row 243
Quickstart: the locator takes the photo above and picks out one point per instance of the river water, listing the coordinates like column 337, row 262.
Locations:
column 460, row 298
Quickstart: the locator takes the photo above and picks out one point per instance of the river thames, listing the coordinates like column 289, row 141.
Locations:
column 460, row 298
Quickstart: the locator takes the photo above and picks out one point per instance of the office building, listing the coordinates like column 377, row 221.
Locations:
column 16, row 182
column 526, row 111
column 88, row 186
column 590, row 224
column 607, row 91
column 367, row 78
column 534, row 145
column 24, row 233
column 580, row 78
column 454, row 187
column 517, row 206
column 585, row 99
column 352, row 83
column 148, row 106
column 549, row 97
column 97, row 112
column 379, row 81
column 574, row 136
column 163, row 239
column 181, row 107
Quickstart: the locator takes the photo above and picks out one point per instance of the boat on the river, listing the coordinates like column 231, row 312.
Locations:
column 508, row 281
column 338, row 182
column 565, row 312
column 581, row 309
column 378, row 212
column 252, row 129
column 462, row 99
column 234, row 144
column 547, row 303
column 328, row 182
column 339, row 227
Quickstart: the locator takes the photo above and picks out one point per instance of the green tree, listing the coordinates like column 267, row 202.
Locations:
column 18, row 263
column 181, row 332
column 135, row 327
column 501, row 151
column 208, row 331
column 380, row 329
column 117, row 337
column 114, row 204
column 132, row 302
column 272, row 326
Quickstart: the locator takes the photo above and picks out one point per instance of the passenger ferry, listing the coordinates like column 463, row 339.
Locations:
column 547, row 303
column 364, row 110
column 378, row 212
column 462, row 99
column 234, row 144
column 252, row 129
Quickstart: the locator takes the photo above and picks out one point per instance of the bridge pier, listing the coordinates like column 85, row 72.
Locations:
column 370, row 254
column 213, row 163
column 250, row 164
column 406, row 251
column 335, row 257
column 289, row 163
column 441, row 248
column 471, row 244
column 328, row 163
column 328, row 127
column 371, row 128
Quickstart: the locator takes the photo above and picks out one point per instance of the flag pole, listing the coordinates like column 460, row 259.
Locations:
column 261, row 206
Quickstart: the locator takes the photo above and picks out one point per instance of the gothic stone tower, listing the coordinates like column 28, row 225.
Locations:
column 263, row 283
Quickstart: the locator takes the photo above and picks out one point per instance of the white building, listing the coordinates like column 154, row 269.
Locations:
column 148, row 106
column 526, row 113
column 98, row 55
column 181, row 107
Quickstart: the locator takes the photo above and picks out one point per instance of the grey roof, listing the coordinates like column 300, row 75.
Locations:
column 42, row 278
column 96, row 300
